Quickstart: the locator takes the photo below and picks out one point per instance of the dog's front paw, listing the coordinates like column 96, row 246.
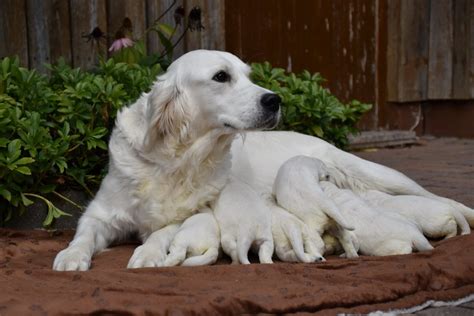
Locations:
column 146, row 257
column 72, row 259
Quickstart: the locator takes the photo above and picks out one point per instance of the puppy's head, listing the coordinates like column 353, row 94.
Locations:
column 204, row 90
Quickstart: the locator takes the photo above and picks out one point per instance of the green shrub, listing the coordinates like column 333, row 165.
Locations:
column 308, row 107
column 54, row 129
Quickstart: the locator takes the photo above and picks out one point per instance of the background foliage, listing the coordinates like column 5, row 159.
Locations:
column 308, row 107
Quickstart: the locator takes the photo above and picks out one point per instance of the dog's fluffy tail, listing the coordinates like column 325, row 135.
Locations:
column 208, row 257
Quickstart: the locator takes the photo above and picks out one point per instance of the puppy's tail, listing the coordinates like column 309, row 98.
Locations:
column 208, row 257
column 420, row 243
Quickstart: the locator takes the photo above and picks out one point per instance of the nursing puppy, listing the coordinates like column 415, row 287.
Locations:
column 245, row 222
column 292, row 239
column 297, row 190
column 198, row 240
column 378, row 233
column 436, row 219
column 169, row 155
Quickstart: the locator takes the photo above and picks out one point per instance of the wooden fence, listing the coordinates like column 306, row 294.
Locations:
column 41, row 31
column 412, row 59
column 430, row 52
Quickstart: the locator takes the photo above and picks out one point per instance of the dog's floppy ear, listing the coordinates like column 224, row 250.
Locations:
column 166, row 112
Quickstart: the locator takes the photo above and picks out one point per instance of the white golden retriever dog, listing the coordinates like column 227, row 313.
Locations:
column 170, row 156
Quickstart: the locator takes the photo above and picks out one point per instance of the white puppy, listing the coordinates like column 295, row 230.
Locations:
column 297, row 190
column 378, row 233
column 170, row 154
column 197, row 241
column 292, row 239
column 245, row 221
column 437, row 219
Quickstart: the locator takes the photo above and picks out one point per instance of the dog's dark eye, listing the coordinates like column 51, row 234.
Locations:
column 221, row 76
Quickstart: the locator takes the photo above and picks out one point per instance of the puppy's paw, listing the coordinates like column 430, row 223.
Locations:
column 72, row 259
column 146, row 256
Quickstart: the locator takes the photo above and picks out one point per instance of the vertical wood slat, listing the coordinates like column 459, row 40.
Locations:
column 461, row 49
column 440, row 67
column 13, row 30
column 414, row 50
column 117, row 10
column 470, row 63
column 38, row 33
column 48, row 32
column 85, row 16
column 393, row 49
column 155, row 8
column 60, row 31
column 213, row 19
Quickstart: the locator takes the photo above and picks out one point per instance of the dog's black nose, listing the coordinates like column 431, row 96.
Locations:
column 271, row 102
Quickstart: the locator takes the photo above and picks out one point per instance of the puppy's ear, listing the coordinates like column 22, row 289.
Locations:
column 166, row 113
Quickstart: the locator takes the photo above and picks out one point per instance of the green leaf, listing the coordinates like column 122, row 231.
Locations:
column 24, row 161
column 24, row 170
column 14, row 147
column 6, row 194
column 166, row 28
column 26, row 201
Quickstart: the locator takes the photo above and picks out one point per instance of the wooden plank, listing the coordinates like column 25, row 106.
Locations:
column 38, row 33
column 85, row 16
column 13, row 30
column 393, row 49
column 233, row 27
column 440, row 68
column 60, row 31
column 461, row 50
column 213, row 20
column 155, row 8
column 118, row 10
column 414, row 50
column 471, row 48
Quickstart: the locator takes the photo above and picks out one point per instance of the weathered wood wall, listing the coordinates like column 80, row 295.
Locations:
column 335, row 38
column 41, row 31
column 407, row 57
column 430, row 50
column 410, row 58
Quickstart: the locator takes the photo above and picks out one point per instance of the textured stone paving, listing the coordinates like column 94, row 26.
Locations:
column 444, row 166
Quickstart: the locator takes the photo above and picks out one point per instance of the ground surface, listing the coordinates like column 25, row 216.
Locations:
column 444, row 166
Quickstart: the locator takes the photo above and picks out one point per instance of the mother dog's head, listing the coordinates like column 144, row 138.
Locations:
column 208, row 90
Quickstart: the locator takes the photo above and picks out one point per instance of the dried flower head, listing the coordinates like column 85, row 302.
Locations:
column 127, row 25
column 179, row 15
column 194, row 19
column 96, row 35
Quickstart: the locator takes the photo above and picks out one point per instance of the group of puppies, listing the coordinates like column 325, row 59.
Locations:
column 309, row 216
